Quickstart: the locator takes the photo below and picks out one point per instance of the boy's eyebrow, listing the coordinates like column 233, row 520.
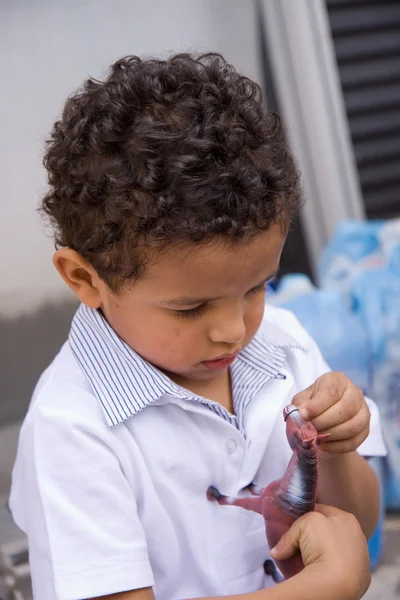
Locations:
column 187, row 300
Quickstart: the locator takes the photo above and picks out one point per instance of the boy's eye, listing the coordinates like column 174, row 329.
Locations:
column 260, row 288
column 191, row 313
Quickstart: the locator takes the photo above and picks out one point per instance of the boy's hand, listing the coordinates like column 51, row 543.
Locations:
column 338, row 407
column 330, row 541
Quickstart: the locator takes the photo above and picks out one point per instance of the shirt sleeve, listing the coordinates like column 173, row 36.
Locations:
column 70, row 496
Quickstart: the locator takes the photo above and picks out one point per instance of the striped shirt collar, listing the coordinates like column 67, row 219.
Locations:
column 125, row 383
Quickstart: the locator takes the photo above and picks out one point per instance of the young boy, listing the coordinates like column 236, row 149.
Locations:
column 171, row 193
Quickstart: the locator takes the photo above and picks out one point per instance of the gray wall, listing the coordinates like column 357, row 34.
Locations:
column 28, row 343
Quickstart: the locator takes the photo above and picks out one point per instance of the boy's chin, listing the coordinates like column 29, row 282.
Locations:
column 200, row 374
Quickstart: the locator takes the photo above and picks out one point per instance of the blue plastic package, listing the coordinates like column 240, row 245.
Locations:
column 338, row 332
column 376, row 297
column 355, row 246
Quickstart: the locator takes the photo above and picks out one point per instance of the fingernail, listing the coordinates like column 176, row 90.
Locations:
column 303, row 413
column 273, row 551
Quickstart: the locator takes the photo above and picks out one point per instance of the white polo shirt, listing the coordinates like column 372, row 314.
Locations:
column 114, row 461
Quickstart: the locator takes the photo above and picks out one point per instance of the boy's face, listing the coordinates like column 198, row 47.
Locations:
column 196, row 304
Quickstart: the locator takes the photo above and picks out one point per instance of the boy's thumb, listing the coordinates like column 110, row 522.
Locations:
column 288, row 545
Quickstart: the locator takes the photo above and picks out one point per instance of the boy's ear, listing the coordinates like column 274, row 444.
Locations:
column 79, row 275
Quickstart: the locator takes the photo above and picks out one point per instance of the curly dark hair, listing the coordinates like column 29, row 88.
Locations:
column 165, row 151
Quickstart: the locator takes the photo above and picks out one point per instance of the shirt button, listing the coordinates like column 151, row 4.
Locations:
column 231, row 446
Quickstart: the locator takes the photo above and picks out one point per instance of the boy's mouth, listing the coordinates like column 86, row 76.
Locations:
column 221, row 362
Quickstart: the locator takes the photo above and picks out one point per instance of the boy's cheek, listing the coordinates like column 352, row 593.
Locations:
column 168, row 347
column 253, row 317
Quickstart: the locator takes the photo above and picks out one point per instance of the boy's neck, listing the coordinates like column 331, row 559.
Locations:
column 218, row 389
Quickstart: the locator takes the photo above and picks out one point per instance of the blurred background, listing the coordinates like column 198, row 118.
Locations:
column 331, row 69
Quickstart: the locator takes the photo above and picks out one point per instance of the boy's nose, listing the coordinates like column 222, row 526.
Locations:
column 229, row 328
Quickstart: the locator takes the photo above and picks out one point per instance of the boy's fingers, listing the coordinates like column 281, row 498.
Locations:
column 352, row 410
column 301, row 400
column 289, row 543
column 327, row 511
column 321, row 396
column 350, row 429
column 348, row 521
column 322, row 400
column 344, row 446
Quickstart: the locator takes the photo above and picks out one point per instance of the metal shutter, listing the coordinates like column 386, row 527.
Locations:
column 366, row 35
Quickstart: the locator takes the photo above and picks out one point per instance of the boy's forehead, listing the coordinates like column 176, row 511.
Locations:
column 217, row 264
